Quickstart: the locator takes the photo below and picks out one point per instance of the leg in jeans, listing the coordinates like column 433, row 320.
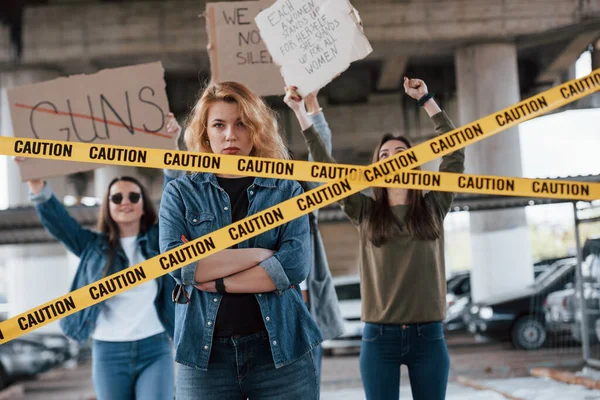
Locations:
column 155, row 369
column 218, row 383
column 317, row 354
column 380, row 360
column 262, row 381
column 112, row 374
column 429, row 362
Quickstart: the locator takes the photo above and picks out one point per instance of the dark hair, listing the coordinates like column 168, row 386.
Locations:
column 420, row 221
column 109, row 227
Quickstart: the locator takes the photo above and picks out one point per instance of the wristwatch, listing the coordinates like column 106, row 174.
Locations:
column 424, row 99
column 220, row 285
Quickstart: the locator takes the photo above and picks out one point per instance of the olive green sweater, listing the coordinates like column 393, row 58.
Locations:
column 403, row 281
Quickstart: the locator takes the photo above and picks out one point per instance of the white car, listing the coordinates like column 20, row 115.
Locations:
column 347, row 289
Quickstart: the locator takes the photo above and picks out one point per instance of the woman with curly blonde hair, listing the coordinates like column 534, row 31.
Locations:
column 241, row 327
column 260, row 121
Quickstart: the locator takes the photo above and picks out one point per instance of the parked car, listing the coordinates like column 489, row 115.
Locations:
column 23, row 359
column 541, row 265
column 64, row 348
column 348, row 293
column 559, row 310
column 519, row 316
column 563, row 312
column 458, row 296
column 563, row 309
column 458, row 285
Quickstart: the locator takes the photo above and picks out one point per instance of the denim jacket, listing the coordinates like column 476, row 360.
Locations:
column 196, row 205
column 92, row 249
column 322, row 299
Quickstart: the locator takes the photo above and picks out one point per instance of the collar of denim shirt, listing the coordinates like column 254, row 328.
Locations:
column 202, row 178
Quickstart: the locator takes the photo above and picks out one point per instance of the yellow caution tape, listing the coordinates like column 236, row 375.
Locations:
column 373, row 175
column 299, row 170
column 323, row 172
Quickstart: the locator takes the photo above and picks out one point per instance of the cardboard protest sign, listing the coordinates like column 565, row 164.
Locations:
column 122, row 106
column 238, row 52
column 312, row 40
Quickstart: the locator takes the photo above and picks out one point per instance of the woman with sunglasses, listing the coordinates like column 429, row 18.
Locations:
column 401, row 260
column 131, row 351
column 241, row 327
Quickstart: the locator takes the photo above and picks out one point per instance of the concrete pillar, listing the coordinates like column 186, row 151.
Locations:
column 596, row 56
column 35, row 274
column 487, row 81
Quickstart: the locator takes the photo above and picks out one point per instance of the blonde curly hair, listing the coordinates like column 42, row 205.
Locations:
column 255, row 114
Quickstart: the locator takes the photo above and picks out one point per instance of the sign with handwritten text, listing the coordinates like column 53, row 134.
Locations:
column 312, row 40
column 122, row 106
column 238, row 52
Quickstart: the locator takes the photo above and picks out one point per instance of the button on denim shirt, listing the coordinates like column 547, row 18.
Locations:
column 196, row 205
column 92, row 250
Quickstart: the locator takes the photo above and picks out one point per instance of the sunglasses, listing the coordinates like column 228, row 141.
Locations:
column 117, row 198
column 177, row 297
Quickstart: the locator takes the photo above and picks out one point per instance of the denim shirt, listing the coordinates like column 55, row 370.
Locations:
column 92, row 249
column 196, row 205
column 322, row 298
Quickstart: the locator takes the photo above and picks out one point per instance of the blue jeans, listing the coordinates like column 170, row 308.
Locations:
column 241, row 368
column 317, row 354
column 141, row 369
column 421, row 347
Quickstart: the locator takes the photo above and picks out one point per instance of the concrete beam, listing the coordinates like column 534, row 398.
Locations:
column 476, row 20
column 567, row 57
column 71, row 33
column 392, row 73
column 68, row 33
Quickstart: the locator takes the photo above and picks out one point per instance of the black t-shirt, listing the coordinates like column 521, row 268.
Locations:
column 239, row 314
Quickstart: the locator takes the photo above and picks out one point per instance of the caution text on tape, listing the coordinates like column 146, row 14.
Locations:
column 268, row 219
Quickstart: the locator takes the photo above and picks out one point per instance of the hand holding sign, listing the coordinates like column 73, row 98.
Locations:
column 312, row 40
column 293, row 99
column 174, row 130
column 122, row 106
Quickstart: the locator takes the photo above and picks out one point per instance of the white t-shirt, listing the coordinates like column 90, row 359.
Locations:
column 303, row 285
column 130, row 315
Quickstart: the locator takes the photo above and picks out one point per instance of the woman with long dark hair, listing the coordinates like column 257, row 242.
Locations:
column 131, row 349
column 403, row 285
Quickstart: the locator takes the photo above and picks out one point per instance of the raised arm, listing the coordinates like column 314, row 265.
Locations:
column 56, row 219
column 317, row 119
column 453, row 162
column 355, row 205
